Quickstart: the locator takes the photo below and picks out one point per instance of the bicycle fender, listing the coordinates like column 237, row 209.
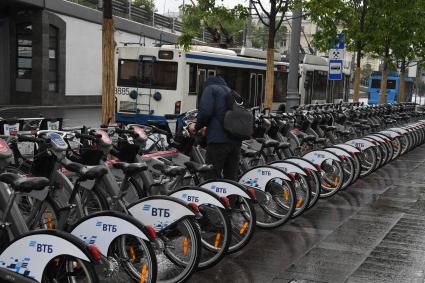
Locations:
column 381, row 136
column 399, row 130
column 338, row 151
column 30, row 254
column 360, row 144
column 375, row 138
column 303, row 163
column 197, row 196
column 159, row 211
column 103, row 228
column 258, row 177
column 347, row 147
column 319, row 156
column 38, row 195
column 224, row 188
column 288, row 167
column 391, row 134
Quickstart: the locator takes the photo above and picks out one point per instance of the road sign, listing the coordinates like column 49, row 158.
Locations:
column 336, row 54
column 335, row 70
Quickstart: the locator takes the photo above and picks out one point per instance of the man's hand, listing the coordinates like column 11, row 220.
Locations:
column 191, row 128
column 203, row 131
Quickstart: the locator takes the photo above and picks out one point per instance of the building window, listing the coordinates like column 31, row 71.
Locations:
column 53, row 59
column 24, row 51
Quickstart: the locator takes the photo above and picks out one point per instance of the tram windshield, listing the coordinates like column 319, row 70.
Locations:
column 157, row 75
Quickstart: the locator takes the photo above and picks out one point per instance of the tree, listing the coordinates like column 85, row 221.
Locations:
column 382, row 38
column 353, row 18
column 148, row 5
column 269, row 17
column 224, row 25
column 260, row 35
column 365, row 73
column 409, row 38
column 108, row 61
column 398, row 37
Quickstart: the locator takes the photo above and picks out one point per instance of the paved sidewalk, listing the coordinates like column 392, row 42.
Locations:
column 372, row 232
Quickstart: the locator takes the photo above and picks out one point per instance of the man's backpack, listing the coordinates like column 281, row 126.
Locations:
column 238, row 121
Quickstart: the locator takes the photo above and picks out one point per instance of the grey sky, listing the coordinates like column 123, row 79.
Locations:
column 165, row 6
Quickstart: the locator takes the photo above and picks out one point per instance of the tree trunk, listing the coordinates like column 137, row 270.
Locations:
column 268, row 98
column 383, row 97
column 402, row 87
column 268, row 101
column 357, row 74
column 108, row 60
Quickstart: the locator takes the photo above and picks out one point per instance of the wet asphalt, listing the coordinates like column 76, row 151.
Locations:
column 374, row 231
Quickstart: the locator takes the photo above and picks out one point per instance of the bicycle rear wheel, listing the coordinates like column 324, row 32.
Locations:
column 178, row 251
column 243, row 220
column 68, row 269
column 276, row 205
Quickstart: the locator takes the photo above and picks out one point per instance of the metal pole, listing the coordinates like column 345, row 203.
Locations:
column 293, row 96
column 129, row 9
column 248, row 41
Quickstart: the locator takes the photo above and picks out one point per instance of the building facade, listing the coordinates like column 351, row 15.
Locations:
column 51, row 51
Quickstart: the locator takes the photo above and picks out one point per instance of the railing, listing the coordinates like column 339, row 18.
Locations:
column 122, row 9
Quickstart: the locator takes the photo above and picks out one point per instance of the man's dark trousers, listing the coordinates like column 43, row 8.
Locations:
column 225, row 159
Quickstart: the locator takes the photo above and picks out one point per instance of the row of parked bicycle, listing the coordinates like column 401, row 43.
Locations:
column 83, row 205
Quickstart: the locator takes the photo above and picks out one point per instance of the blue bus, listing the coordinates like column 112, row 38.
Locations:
column 393, row 86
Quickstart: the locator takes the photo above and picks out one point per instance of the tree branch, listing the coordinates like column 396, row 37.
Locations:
column 259, row 16
column 262, row 8
column 279, row 24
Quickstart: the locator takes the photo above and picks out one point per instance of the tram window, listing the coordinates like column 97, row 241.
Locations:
column 319, row 85
column 391, row 84
column 376, row 83
column 192, row 79
column 339, row 89
column 163, row 75
column 280, row 83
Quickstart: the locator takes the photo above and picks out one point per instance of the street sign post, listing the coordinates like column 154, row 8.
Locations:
column 336, row 59
column 335, row 70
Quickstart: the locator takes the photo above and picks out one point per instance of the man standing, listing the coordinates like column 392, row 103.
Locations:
column 223, row 151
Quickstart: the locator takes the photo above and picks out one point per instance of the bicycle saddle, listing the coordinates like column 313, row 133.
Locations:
column 249, row 153
column 284, row 145
column 267, row 142
column 86, row 172
column 328, row 128
column 24, row 184
column 197, row 167
column 170, row 171
column 130, row 168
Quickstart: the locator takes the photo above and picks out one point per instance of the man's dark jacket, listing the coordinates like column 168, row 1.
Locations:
column 212, row 109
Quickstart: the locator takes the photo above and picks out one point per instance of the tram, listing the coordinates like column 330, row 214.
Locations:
column 156, row 81
column 153, row 82
column 315, row 86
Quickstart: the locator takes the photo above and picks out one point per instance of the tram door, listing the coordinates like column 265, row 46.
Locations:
column 202, row 76
column 256, row 89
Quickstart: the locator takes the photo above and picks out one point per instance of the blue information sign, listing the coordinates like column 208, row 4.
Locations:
column 335, row 70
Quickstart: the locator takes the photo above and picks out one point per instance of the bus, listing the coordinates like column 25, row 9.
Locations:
column 315, row 86
column 393, row 86
column 155, row 81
